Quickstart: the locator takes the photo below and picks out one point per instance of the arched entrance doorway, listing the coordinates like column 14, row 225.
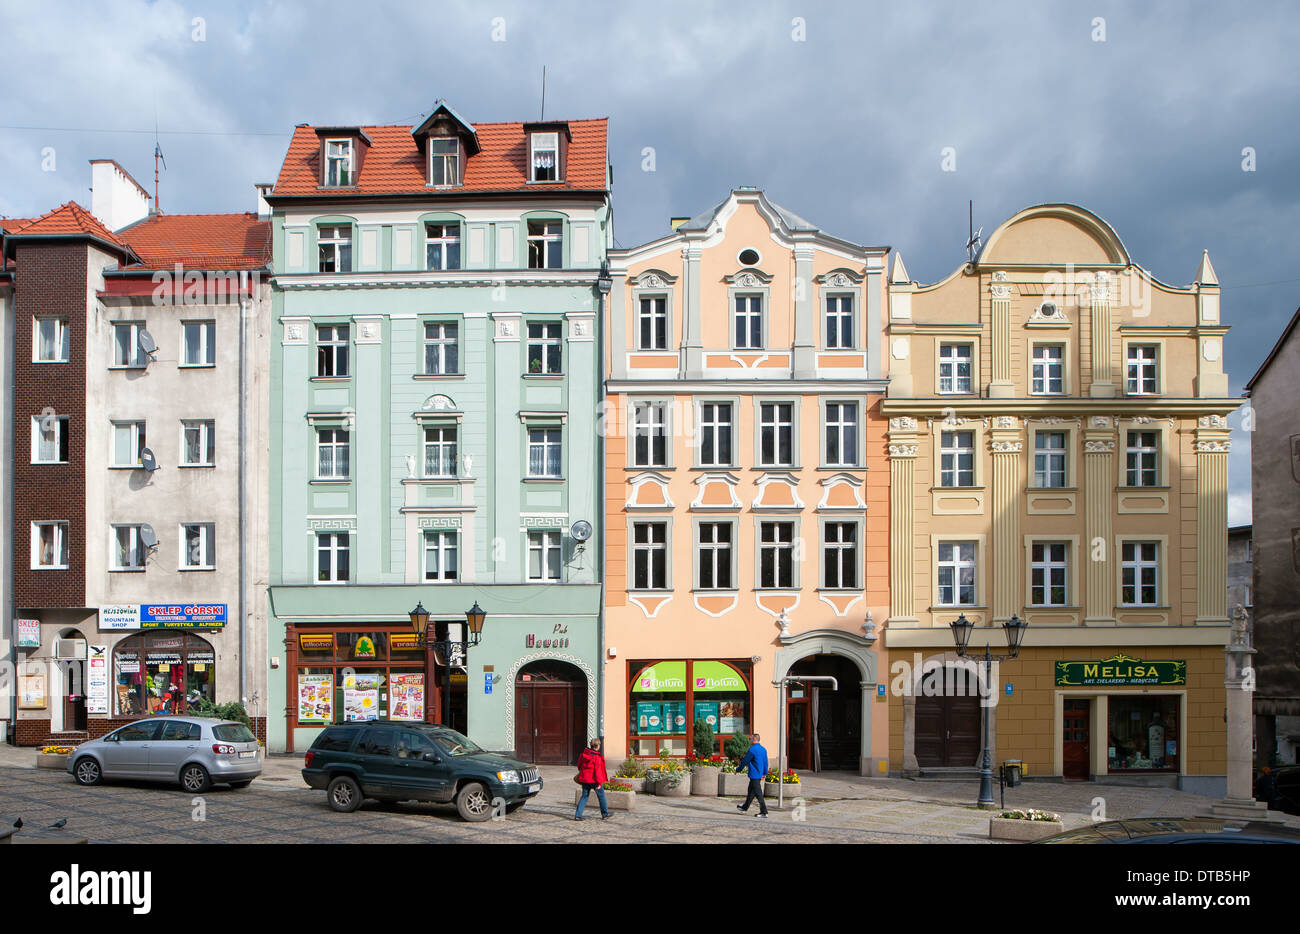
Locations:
column 948, row 716
column 68, row 683
column 550, row 712
column 824, row 725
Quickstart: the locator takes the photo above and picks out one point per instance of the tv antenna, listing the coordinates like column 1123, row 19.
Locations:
column 543, row 115
column 973, row 240
column 157, row 155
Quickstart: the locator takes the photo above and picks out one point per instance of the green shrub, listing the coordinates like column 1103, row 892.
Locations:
column 231, row 711
column 703, row 739
column 736, row 747
column 631, row 767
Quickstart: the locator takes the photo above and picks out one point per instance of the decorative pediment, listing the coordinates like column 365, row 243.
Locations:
column 841, row 278
column 650, row 605
column 842, row 491
column 717, row 491
column 777, row 490
column 654, row 279
column 749, row 279
column 716, row 605
column 648, row 490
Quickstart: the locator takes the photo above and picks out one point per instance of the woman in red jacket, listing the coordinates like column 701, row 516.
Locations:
column 591, row 775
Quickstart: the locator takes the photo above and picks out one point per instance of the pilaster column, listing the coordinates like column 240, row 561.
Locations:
column 1212, row 446
column 1103, row 381
column 1007, row 448
column 370, row 452
column 692, row 365
column 902, row 497
column 805, row 360
column 1099, row 496
column 1000, row 387
column 506, row 449
column 616, row 309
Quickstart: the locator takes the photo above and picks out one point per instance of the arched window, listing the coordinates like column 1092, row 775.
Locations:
column 162, row 672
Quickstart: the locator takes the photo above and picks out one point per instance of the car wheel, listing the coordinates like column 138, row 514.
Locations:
column 243, row 784
column 511, row 808
column 87, row 771
column 474, row 803
column 344, row 794
column 195, row 779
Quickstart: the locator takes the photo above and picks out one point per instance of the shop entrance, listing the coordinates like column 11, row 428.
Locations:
column 824, row 729
column 948, row 718
column 1075, row 740
column 550, row 713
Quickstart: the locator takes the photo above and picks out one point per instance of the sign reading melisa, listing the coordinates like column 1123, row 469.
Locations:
column 1119, row 670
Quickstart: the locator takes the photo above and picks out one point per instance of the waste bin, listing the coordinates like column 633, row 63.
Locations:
column 1011, row 772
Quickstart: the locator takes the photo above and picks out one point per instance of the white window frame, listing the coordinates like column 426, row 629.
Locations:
column 207, row 429
column 138, row 359
column 954, row 563
column 207, row 331
column 436, row 339
column 335, row 544
column 1051, row 456
column 652, row 310
column 207, row 544
column 442, row 543
column 138, row 442
column 1136, row 565
column 753, row 312
column 340, row 236
column 646, row 551
column 450, row 160
column 833, row 553
column 836, row 428
column 339, row 340
column 1043, row 566
column 59, row 545
column 133, row 544
column 1141, row 450
column 62, row 340
column 549, row 231
column 334, row 445
column 955, row 450
column 715, row 428
column 545, row 443
column 778, row 548
column 716, row 555
column 654, row 426
column 840, row 315
column 339, row 153
column 777, row 425
column 1136, row 367
column 538, row 145
column 551, row 337
column 443, row 241
column 441, row 445
column 951, row 362
column 1047, row 371
column 61, row 433
column 546, row 544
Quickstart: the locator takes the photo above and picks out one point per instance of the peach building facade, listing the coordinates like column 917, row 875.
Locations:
column 746, row 493
column 1058, row 450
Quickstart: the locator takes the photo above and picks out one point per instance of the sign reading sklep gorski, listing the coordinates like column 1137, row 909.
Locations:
column 1119, row 670
column 163, row 616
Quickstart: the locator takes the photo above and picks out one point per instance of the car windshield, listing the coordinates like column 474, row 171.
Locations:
column 233, row 733
column 454, row 744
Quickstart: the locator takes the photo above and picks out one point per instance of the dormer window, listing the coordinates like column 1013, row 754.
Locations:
column 546, row 157
column 444, row 161
column 338, row 163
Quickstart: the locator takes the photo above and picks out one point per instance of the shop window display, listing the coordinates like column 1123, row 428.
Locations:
column 356, row 675
column 667, row 697
column 1143, row 734
column 162, row 673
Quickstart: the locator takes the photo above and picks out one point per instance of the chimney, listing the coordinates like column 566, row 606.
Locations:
column 116, row 198
column 675, row 222
column 263, row 189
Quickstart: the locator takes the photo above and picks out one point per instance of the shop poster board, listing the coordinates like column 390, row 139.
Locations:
column 360, row 705
column 315, row 698
column 649, row 717
column 96, row 679
column 28, row 633
column 674, row 716
column 407, row 697
column 31, row 691
column 708, row 712
column 731, row 717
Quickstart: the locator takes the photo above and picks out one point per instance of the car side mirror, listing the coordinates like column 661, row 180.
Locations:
column 430, row 757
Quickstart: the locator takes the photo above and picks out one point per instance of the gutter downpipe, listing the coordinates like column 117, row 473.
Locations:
column 244, row 305
column 9, row 357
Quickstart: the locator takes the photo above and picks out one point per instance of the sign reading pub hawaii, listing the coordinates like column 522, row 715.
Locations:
column 1119, row 670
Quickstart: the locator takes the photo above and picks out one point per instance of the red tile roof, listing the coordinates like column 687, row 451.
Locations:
column 201, row 241
column 70, row 219
column 393, row 163
column 14, row 224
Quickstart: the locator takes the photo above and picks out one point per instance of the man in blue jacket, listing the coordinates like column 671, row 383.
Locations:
column 755, row 762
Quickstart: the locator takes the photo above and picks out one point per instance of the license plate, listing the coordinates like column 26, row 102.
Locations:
column 533, row 789
column 248, row 755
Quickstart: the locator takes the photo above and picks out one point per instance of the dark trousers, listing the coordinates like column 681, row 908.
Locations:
column 755, row 791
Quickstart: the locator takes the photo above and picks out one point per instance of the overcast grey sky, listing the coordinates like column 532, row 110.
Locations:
column 844, row 125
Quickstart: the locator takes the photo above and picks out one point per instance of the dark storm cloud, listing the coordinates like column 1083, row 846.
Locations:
column 846, row 127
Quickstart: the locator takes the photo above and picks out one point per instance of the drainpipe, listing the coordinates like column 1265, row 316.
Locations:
column 603, row 286
column 244, row 305
column 10, row 388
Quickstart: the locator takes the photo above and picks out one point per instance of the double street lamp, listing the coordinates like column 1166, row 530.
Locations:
column 447, row 648
column 1014, row 628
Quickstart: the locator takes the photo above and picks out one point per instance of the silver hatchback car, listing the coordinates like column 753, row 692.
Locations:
column 194, row 751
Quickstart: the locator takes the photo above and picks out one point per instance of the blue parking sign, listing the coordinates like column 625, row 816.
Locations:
column 487, row 682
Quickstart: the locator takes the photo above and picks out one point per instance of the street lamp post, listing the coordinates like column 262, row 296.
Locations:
column 474, row 617
column 1015, row 633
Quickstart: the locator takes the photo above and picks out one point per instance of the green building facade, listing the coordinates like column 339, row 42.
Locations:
column 435, row 393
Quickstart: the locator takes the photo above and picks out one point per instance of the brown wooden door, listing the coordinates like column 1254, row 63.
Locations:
column 524, row 746
column 553, row 725
column 1075, row 736
column 947, row 731
column 799, row 733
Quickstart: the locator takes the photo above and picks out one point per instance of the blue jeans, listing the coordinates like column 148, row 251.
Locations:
column 587, row 789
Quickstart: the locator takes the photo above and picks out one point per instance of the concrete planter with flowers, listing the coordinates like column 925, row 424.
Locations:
column 704, row 780
column 54, row 757
column 669, row 783
column 733, row 784
column 1023, row 826
column 621, row 797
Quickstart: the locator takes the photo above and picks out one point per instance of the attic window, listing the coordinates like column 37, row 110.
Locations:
column 338, row 163
column 546, row 157
column 444, row 161
column 748, row 257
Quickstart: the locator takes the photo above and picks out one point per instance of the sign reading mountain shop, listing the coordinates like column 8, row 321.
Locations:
column 1119, row 670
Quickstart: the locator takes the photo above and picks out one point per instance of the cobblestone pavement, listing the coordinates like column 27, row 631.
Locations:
column 279, row 808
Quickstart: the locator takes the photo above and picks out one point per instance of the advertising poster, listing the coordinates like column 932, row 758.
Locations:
column 675, row 716
column 31, row 691
column 731, row 717
column 315, row 698
column 407, row 697
column 360, row 705
column 96, row 679
column 649, row 717
column 708, row 712
column 29, row 633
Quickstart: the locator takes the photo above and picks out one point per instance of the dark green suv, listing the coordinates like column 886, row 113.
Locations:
column 392, row 760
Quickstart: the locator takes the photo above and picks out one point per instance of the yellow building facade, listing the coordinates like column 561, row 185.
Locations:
column 1058, row 447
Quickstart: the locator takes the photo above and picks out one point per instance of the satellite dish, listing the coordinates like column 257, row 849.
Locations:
column 147, row 460
column 148, row 537
column 581, row 530
column 147, row 344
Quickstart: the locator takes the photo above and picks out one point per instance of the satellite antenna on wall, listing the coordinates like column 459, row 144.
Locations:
column 148, row 346
column 148, row 537
column 973, row 240
column 580, row 531
column 147, row 460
